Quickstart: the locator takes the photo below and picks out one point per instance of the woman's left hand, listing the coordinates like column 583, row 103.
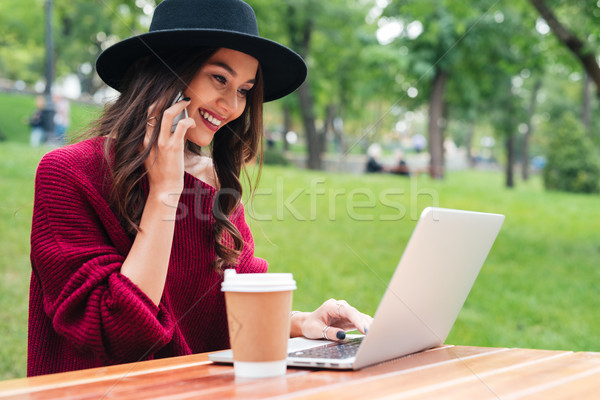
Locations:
column 330, row 321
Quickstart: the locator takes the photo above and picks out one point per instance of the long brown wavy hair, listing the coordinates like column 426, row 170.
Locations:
column 124, row 124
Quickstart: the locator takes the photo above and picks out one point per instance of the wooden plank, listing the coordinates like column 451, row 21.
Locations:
column 39, row 383
column 582, row 385
column 513, row 381
column 400, row 384
column 135, row 382
column 213, row 388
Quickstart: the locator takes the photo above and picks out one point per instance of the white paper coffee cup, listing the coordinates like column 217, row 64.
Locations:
column 258, row 315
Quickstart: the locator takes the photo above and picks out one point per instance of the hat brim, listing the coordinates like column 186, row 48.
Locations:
column 283, row 70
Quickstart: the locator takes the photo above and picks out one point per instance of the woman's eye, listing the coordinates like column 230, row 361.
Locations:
column 244, row 92
column 220, row 79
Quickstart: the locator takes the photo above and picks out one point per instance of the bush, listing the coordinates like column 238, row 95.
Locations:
column 573, row 164
column 272, row 156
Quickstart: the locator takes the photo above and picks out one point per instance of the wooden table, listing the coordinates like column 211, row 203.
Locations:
column 448, row 372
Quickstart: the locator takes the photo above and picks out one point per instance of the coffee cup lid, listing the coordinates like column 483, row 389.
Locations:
column 266, row 282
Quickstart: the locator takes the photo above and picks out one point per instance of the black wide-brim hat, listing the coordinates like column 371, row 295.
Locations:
column 187, row 24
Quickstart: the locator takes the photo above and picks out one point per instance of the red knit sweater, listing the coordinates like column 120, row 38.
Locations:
column 82, row 312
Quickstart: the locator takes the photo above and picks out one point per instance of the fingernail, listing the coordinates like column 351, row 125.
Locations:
column 186, row 99
column 365, row 329
column 341, row 335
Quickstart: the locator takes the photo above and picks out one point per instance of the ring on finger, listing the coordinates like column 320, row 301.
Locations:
column 324, row 332
column 150, row 119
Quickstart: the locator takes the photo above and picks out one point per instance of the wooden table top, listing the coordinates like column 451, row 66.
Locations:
column 448, row 372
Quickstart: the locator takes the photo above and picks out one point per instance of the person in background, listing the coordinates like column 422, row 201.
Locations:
column 374, row 153
column 62, row 119
column 401, row 167
column 36, row 135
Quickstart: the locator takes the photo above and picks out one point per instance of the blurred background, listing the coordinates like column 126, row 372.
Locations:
column 444, row 84
column 489, row 105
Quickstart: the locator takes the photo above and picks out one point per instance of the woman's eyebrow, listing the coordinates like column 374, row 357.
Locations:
column 228, row 68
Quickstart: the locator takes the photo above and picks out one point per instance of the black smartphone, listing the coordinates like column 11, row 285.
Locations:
column 181, row 115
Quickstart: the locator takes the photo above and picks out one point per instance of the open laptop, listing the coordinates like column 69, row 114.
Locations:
column 427, row 291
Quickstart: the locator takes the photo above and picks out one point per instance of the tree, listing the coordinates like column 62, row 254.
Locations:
column 428, row 64
column 582, row 50
column 529, row 128
column 464, row 61
column 506, row 38
column 572, row 159
column 21, row 40
column 334, row 38
column 575, row 28
column 83, row 29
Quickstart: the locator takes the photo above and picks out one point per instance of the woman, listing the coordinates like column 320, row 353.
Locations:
column 133, row 227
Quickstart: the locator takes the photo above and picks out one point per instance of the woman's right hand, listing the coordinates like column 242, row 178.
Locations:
column 165, row 162
column 147, row 263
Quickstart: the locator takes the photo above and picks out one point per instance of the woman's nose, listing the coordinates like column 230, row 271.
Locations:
column 229, row 101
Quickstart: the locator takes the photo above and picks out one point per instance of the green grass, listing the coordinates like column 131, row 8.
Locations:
column 15, row 110
column 17, row 169
column 342, row 235
column 537, row 289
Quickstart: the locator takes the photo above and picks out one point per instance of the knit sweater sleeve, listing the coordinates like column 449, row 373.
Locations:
column 76, row 256
column 247, row 262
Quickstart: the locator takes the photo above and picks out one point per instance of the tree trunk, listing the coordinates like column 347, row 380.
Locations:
column 469, row 143
column 327, row 127
column 586, row 104
column 507, row 125
column 308, row 120
column 436, row 112
column 300, row 35
column 576, row 46
column 287, row 126
column 510, row 160
column 338, row 132
column 529, row 129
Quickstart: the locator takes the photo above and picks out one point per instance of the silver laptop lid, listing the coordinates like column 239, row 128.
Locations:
column 430, row 285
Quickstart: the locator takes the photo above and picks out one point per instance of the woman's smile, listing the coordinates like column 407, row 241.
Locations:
column 213, row 122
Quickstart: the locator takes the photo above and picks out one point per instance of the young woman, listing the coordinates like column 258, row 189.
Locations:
column 133, row 227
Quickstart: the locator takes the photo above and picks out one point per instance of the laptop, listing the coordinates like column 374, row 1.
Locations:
column 421, row 303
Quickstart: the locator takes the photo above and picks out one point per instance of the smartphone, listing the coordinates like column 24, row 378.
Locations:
column 181, row 115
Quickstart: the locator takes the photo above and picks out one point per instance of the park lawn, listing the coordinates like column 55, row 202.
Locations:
column 17, row 169
column 342, row 235
column 539, row 287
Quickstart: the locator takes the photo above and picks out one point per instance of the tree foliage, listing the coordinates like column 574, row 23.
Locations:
column 463, row 62
column 584, row 50
column 82, row 29
column 338, row 45
column 573, row 162
column 21, row 39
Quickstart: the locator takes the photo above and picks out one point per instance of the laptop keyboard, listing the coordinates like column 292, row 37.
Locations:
column 336, row 350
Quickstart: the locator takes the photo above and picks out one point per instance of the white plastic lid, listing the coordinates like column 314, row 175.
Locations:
column 268, row 282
